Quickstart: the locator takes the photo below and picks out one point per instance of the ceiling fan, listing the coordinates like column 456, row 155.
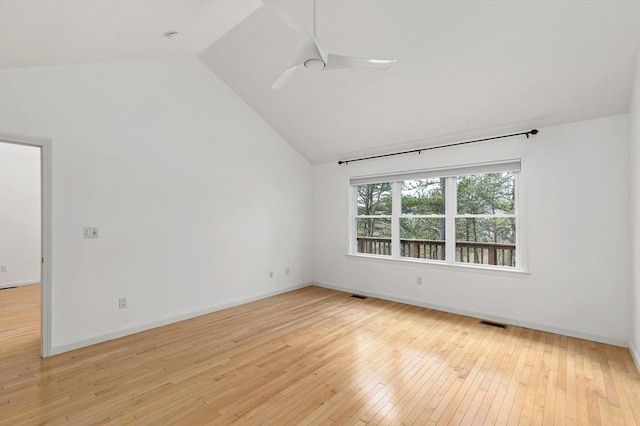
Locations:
column 312, row 55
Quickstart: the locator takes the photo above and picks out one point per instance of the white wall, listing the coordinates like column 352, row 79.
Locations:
column 634, row 124
column 195, row 196
column 577, row 193
column 19, row 214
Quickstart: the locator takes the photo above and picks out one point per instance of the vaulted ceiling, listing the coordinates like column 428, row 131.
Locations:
column 62, row 32
column 465, row 68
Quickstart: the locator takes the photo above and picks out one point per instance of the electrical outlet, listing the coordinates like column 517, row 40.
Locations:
column 270, row 274
column 286, row 271
column 4, row 268
column 419, row 280
column 122, row 303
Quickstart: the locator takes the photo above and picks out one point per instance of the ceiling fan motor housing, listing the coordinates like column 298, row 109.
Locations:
column 314, row 64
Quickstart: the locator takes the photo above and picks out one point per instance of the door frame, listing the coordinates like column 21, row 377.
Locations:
column 45, row 234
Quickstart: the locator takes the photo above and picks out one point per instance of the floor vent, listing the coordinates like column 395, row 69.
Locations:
column 7, row 288
column 493, row 324
column 359, row 296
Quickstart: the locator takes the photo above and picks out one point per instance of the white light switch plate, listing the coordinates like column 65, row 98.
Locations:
column 90, row 232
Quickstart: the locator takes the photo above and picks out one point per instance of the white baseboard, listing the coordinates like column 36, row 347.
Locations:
column 58, row 349
column 66, row 347
column 635, row 355
column 18, row 284
column 495, row 318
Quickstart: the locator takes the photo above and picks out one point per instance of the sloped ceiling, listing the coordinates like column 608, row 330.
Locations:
column 465, row 69
column 62, row 32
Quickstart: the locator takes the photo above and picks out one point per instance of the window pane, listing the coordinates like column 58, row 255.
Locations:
column 422, row 238
column 423, row 196
column 490, row 193
column 374, row 199
column 489, row 241
column 373, row 236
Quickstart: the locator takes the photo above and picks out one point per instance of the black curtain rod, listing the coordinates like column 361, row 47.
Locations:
column 419, row 150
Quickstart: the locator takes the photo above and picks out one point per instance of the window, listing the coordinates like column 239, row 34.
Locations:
column 486, row 221
column 422, row 218
column 465, row 215
column 373, row 220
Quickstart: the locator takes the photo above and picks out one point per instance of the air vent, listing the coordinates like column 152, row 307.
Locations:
column 493, row 324
column 359, row 296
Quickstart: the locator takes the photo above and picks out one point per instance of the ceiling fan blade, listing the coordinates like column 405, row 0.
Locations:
column 322, row 51
column 283, row 15
column 310, row 50
column 284, row 78
column 308, row 56
column 336, row 62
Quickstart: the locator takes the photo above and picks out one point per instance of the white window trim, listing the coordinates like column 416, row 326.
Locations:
column 396, row 209
column 522, row 265
column 451, row 208
column 460, row 267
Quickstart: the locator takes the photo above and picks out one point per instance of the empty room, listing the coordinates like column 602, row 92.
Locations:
column 350, row 212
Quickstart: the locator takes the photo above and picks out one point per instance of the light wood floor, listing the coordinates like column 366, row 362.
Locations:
column 314, row 356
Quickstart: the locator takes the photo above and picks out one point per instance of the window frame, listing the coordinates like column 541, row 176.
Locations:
column 356, row 216
column 401, row 215
column 451, row 214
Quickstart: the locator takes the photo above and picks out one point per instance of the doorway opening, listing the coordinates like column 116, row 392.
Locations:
column 25, row 247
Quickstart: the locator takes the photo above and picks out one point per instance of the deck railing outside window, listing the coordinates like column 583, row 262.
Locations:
column 499, row 254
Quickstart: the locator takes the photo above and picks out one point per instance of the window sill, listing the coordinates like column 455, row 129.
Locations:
column 481, row 269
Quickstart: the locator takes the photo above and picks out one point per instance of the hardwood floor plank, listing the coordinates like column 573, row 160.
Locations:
column 314, row 356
